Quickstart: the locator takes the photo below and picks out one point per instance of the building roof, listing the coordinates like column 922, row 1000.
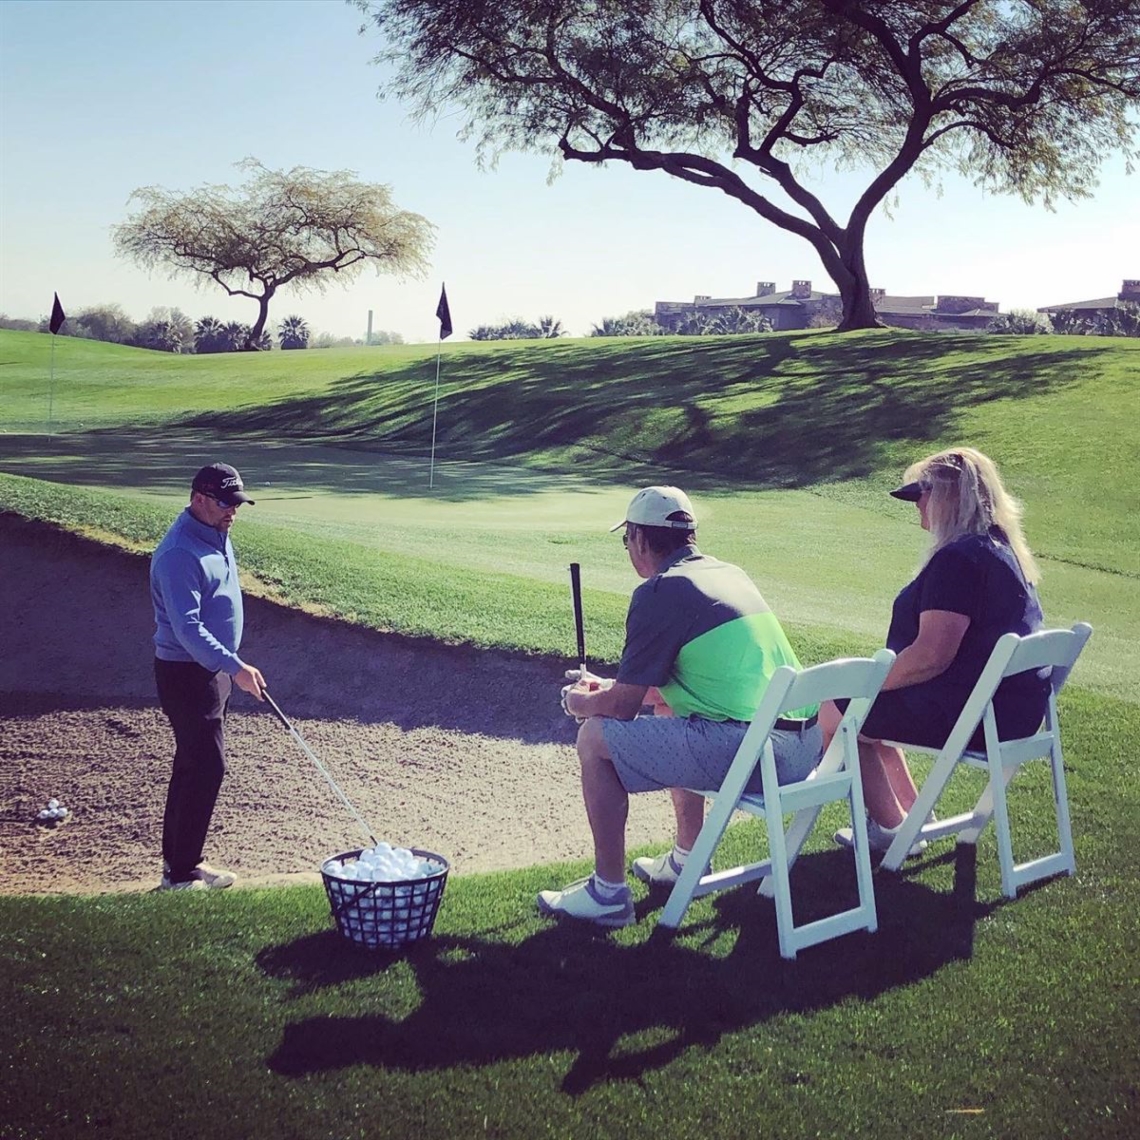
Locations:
column 783, row 298
column 1103, row 303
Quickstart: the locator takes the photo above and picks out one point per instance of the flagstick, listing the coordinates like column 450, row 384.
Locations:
column 434, row 411
column 51, row 385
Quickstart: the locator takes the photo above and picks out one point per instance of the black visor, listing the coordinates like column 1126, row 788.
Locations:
column 910, row 492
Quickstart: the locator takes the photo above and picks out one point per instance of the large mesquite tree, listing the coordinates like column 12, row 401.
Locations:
column 304, row 228
column 749, row 97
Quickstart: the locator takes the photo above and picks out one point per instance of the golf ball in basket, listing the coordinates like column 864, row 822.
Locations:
column 385, row 864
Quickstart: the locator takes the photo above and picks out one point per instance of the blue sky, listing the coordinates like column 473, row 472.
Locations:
column 98, row 98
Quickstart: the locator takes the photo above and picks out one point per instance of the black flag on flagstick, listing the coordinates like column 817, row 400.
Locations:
column 444, row 314
column 58, row 316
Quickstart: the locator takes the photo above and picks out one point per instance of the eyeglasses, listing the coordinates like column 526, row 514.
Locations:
column 223, row 505
column 625, row 539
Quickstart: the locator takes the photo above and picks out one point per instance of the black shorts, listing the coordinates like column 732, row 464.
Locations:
column 909, row 716
column 902, row 715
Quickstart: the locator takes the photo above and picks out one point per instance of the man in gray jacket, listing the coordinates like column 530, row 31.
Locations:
column 198, row 627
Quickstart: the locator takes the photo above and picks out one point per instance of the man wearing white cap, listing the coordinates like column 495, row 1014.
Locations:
column 701, row 645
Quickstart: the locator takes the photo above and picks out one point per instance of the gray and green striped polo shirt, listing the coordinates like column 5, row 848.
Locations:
column 701, row 633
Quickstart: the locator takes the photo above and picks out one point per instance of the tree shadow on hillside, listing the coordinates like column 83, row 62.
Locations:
column 742, row 412
column 570, row 988
column 784, row 411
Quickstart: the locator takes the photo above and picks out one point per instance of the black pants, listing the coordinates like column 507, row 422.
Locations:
column 195, row 702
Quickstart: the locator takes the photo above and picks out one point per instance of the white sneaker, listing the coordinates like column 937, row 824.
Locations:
column 582, row 900
column 185, row 885
column 663, row 871
column 879, row 838
column 214, row 877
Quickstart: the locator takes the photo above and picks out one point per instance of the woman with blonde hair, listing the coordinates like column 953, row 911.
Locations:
column 977, row 582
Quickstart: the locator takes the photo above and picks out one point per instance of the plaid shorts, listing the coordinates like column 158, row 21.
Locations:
column 653, row 752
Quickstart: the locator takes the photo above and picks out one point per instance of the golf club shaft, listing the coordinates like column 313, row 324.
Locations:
column 579, row 628
column 320, row 767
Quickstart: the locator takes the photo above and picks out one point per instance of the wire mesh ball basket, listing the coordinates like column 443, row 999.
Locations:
column 384, row 915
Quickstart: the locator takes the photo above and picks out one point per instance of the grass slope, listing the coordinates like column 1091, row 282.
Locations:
column 761, row 429
column 796, row 409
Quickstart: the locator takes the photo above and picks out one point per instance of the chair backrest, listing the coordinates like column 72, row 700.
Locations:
column 1057, row 649
column 844, row 677
column 856, row 678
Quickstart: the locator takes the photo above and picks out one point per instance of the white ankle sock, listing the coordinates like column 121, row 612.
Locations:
column 680, row 854
column 606, row 889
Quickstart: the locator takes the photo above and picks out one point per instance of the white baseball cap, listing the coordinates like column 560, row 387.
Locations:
column 654, row 506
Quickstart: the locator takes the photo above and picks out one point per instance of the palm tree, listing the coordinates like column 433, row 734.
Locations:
column 210, row 336
column 640, row 322
column 292, row 332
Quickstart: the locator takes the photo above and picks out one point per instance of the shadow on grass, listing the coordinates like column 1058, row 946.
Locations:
column 620, row 1010
column 777, row 411
column 766, row 411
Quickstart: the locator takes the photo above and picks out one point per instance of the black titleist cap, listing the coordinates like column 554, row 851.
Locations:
column 222, row 482
column 910, row 492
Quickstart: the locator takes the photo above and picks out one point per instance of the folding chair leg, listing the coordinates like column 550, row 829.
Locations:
column 862, row 853
column 861, row 917
column 1061, row 801
column 994, row 803
column 804, row 820
column 999, row 779
column 781, row 884
column 701, row 856
column 801, row 826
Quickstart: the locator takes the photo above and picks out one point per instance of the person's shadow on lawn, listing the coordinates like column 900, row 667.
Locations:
column 570, row 988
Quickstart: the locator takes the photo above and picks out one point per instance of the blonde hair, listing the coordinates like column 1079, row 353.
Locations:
column 967, row 497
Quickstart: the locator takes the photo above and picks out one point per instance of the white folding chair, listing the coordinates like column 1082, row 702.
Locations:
column 1058, row 648
column 835, row 778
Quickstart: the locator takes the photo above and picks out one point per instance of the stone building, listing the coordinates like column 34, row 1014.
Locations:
column 803, row 307
column 1102, row 306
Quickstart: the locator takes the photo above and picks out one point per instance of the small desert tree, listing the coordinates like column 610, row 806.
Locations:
column 1020, row 322
column 106, row 322
column 165, row 330
column 301, row 228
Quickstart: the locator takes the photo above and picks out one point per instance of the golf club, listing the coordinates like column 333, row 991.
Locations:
column 576, row 595
column 321, row 768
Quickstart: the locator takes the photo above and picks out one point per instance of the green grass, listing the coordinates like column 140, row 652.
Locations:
column 245, row 1015
column 787, row 410
column 787, row 441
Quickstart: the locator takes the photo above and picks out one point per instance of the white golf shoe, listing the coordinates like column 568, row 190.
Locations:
column 582, row 900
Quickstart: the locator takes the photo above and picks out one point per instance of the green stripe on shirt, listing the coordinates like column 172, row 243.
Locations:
column 722, row 674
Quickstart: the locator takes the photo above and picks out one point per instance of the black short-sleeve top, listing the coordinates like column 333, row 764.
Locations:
column 979, row 576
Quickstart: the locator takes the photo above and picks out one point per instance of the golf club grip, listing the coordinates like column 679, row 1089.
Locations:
column 576, row 595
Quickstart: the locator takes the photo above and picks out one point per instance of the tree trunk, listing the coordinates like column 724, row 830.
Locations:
column 854, row 288
column 259, row 324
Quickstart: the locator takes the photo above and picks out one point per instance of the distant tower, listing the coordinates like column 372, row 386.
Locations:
column 368, row 338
